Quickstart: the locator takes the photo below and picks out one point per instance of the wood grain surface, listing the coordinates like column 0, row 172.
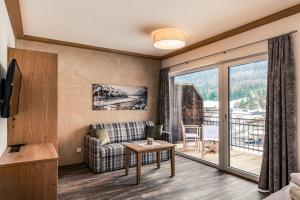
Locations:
column 193, row 181
column 32, row 181
column 137, row 147
column 30, row 153
column 36, row 121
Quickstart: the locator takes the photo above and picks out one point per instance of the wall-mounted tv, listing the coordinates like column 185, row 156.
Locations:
column 10, row 90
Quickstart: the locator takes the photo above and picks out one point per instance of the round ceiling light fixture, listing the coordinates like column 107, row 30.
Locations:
column 168, row 38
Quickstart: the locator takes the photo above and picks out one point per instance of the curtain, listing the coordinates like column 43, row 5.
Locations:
column 163, row 105
column 177, row 114
column 279, row 155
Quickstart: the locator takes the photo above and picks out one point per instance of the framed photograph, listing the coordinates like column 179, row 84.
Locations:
column 117, row 97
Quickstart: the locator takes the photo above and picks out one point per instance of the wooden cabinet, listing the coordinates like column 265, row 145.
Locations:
column 29, row 174
column 32, row 173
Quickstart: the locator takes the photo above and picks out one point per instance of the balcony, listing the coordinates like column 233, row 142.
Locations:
column 246, row 143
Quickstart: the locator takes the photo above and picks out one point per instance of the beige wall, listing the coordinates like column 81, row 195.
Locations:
column 7, row 39
column 78, row 69
column 276, row 28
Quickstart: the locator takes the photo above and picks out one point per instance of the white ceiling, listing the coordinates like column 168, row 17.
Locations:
column 127, row 24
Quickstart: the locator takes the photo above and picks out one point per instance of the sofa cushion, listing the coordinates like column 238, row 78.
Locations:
column 102, row 135
column 114, row 149
column 112, row 163
column 117, row 132
column 154, row 131
column 137, row 130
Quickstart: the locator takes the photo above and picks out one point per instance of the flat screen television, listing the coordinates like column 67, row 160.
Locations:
column 10, row 90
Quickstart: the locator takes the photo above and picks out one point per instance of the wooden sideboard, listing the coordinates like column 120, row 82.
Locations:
column 30, row 173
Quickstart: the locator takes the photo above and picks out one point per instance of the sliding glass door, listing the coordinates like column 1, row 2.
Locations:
column 218, row 114
column 196, row 114
column 247, row 86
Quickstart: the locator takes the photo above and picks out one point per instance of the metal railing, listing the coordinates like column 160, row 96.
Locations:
column 244, row 133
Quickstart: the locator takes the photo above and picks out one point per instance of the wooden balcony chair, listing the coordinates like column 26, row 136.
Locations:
column 210, row 139
column 191, row 136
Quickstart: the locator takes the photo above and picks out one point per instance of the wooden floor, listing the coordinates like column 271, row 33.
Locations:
column 239, row 158
column 192, row 181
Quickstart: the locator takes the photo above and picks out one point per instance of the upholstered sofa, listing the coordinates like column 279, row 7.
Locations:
column 109, row 157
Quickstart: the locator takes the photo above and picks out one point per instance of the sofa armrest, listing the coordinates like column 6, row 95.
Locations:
column 92, row 153
column 167, row 136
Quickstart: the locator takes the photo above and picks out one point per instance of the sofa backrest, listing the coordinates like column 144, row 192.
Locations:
column 124, row 132
column 137, row 130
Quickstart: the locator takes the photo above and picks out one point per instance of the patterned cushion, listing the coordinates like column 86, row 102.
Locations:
column 111, row 163
column 112, row 150
column 117, row 132
column 137, row 130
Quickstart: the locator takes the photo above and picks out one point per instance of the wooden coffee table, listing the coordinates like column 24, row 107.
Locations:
column 138, row 150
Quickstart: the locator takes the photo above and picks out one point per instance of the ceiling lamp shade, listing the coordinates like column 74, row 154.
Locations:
column 168, row 38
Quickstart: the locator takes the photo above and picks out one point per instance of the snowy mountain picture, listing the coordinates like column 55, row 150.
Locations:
column 115, row 97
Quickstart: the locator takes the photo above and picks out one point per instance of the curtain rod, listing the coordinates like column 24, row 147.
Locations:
column 223, row 52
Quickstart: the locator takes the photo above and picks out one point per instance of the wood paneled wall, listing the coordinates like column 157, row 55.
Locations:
column 36, row 121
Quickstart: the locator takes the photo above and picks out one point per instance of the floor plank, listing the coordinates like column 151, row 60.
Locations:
column 241, row 159
column 192, row 181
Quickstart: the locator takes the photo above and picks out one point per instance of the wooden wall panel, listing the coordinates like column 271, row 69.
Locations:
column 36, row 121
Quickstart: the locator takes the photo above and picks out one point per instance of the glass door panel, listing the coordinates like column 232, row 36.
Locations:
column 195, row 126
column 247, row 86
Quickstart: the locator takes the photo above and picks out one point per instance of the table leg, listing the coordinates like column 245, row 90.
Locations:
column 127, row 160
column 172, row 161
column 138, row 167
column 158, row 159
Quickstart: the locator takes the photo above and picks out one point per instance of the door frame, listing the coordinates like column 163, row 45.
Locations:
column 171, row 97
column 225, row 113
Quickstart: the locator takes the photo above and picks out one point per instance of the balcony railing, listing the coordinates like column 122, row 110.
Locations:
column 244, row 133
